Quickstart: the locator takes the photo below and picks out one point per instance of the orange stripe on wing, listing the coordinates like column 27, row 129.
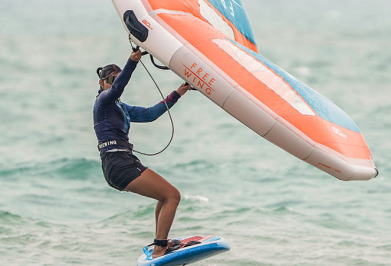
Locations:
column 193, row 7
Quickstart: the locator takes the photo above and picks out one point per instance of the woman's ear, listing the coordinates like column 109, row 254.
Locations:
column 101, row 83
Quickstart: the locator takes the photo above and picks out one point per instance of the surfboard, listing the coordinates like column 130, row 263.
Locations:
column 210, row 44
column 205, row 247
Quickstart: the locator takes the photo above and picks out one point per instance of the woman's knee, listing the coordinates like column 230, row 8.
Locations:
column 174, row 196
column 177, row 196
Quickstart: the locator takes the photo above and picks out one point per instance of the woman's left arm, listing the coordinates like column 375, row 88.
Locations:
column 143, row 115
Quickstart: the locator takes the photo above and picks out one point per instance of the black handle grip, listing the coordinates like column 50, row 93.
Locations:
column 191, row 88
column 135, row 49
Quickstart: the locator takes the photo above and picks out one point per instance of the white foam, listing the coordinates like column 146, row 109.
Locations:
column 196, row 198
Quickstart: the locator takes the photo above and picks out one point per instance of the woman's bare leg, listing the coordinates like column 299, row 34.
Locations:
column 152, row 185
column 157, row 213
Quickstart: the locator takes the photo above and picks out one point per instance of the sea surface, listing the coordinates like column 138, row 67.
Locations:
column 56, row 209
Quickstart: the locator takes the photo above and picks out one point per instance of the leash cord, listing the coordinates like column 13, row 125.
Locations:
column 168, row 109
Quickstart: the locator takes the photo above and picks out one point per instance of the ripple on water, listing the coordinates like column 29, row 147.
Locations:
column 196, row 166
column 10, row 218
column 75, row 168
column 141, row 213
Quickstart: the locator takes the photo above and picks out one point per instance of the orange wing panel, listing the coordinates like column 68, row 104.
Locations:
column 193, row 7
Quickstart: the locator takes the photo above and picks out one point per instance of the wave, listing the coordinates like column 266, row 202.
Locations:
column 69, row 168
column 9, row 218
column 196, row 198
column 196, row 165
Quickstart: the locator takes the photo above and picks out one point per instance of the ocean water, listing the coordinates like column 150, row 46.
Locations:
column 56, row 209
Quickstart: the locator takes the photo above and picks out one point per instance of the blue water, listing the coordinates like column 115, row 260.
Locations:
column 56, row 209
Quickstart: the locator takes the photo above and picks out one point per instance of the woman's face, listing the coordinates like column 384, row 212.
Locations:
column 107, row 83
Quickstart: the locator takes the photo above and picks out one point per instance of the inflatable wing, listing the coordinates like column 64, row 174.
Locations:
column 210, row 44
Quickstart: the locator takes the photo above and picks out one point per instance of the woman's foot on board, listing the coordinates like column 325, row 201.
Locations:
column 160, row 247
column 161, row 250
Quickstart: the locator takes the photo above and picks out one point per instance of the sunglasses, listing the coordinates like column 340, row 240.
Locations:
column 111, row 79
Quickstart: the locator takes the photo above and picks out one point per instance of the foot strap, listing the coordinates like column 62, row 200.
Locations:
column 175, row 244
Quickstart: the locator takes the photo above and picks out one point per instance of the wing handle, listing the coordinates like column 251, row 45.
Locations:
column 135, row 27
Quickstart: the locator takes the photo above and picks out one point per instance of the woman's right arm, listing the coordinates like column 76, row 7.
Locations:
column 142, row 114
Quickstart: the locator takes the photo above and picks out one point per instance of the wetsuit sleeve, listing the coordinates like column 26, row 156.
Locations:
column 142, row 114
column 119, row 84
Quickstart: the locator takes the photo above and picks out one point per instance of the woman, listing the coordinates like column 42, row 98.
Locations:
column 122, row 170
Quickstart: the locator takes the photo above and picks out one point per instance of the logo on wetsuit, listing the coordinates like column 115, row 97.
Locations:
column 108, row 143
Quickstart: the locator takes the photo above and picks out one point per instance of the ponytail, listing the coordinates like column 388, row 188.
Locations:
column 98, row 71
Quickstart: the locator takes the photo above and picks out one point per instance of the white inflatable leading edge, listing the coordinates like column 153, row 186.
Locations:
column 189, row 63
